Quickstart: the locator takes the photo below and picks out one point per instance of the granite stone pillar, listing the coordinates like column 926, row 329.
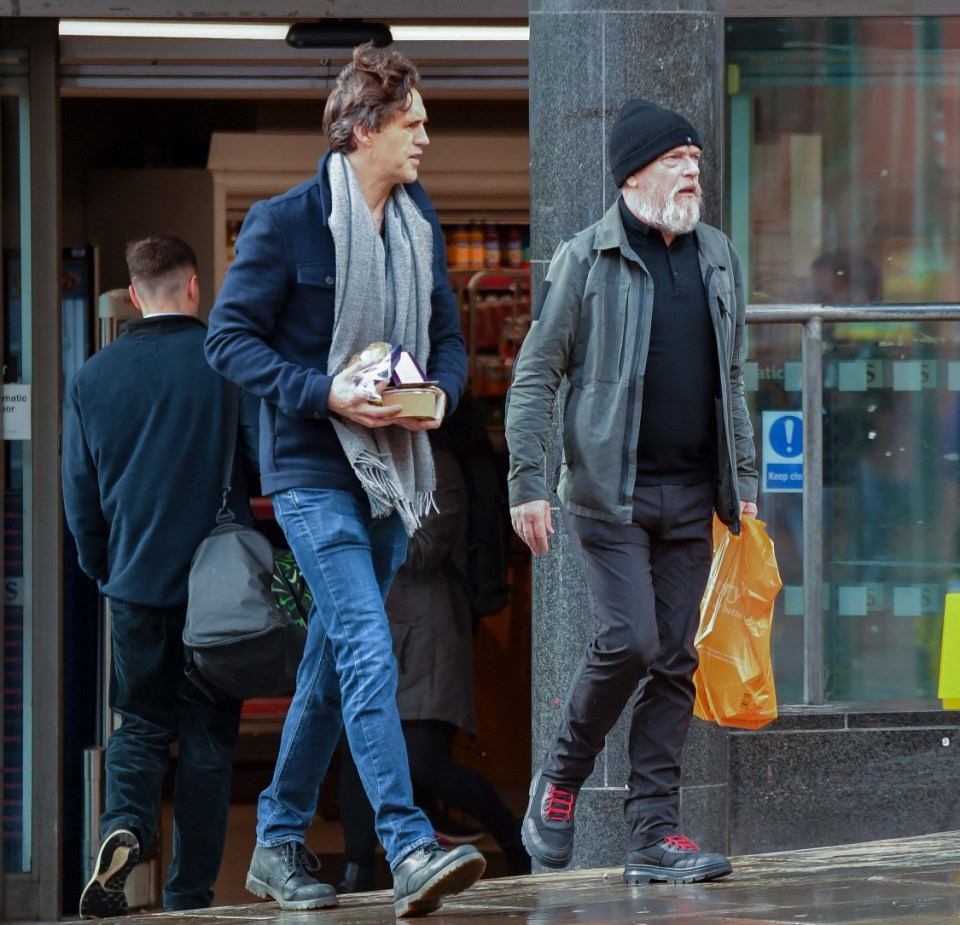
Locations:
column 586, row 58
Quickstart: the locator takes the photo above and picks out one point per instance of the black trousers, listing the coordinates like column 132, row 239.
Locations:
column 158, row 705
column 646, row 579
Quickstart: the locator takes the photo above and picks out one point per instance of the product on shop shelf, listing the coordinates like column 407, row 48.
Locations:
column 476, row 244
column 461, row 248
column 491, row 246
column 514, row 247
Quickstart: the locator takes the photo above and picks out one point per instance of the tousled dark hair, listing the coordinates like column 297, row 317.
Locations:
column 369, row 91
column 151, row 259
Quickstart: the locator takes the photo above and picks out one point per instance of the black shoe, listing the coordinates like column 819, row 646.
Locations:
column 674, row 859
column 547, row 830
column 285, row 873
column 427, row 874
column 103, row 896
column 357, row 878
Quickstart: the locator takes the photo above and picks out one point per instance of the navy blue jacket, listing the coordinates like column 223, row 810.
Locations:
column 271, row 328
column 143, row 439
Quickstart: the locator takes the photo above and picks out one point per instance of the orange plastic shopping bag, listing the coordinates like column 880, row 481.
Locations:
column 735, row 678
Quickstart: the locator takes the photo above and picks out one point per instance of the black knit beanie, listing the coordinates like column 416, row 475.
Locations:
column 641, row 133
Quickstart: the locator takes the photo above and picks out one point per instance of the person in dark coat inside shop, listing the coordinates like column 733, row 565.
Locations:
column 144, row 426
column 432, row 628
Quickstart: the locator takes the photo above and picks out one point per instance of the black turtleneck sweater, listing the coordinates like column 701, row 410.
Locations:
column 678, row 434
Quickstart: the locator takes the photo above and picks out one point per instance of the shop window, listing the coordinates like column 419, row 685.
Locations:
column 844, row 188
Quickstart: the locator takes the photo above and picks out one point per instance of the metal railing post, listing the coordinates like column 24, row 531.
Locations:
column 812, row 356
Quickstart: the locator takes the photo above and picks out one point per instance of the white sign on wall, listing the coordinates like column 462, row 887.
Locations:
column 782, row 451
column 16, row 411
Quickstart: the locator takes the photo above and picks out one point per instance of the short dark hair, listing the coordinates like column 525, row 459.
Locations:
column 151, row 259
column 369, row 91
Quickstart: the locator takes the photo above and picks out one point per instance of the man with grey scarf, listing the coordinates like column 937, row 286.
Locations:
column 353, row 256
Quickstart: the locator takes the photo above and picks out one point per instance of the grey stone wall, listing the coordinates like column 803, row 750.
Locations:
column 836, row 776
column 586, row 59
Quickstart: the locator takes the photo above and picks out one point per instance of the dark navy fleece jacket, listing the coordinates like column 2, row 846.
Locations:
column 143, row 439
column 271, row 328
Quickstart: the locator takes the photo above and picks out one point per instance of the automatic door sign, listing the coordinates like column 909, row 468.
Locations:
column 782, row 451
column 16, row 411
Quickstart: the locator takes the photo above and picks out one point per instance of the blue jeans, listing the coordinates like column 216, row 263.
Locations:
column 158, row 705
column 348, row 676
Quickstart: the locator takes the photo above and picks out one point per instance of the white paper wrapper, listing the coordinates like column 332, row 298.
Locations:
column 374, row 369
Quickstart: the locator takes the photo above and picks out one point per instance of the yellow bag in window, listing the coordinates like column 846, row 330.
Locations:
column 949, row 688
column 734, row 680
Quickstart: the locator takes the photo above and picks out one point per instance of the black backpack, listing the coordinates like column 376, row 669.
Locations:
column 247, row 605
column 247, row 614
column 485, row 583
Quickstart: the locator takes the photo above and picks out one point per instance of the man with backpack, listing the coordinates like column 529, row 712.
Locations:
column 145, row 423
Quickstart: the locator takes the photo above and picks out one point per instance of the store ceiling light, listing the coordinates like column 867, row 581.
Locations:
column 275, row 32
column 460, row 33
column 195, row 29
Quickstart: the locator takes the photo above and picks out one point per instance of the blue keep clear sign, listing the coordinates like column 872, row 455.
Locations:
column 782, row 451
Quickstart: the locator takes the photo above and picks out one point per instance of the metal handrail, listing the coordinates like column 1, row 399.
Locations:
column 795, row 313
column 812, row 317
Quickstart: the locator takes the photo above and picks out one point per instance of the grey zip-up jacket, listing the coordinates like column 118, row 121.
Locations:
column 594, row 328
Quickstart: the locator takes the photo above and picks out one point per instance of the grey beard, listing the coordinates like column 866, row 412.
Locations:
column 662, row 213
column 680, row 218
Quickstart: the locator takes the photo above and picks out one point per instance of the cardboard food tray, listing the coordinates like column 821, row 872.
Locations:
column 418, row 400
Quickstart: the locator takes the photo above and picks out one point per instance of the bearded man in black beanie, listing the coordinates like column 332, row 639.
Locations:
column 643, row 313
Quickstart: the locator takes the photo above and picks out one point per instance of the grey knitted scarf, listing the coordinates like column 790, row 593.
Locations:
column 382, row 294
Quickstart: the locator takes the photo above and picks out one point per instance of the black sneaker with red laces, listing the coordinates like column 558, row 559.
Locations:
column 674, row 859
column 547, row 830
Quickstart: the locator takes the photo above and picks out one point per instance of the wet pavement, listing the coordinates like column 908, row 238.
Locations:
column 911, row 881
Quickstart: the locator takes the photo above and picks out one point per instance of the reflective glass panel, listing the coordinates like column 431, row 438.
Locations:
column 14, row 269
column 844, row 158
column 892, row 441
column 773, row 381
column 844, row 188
